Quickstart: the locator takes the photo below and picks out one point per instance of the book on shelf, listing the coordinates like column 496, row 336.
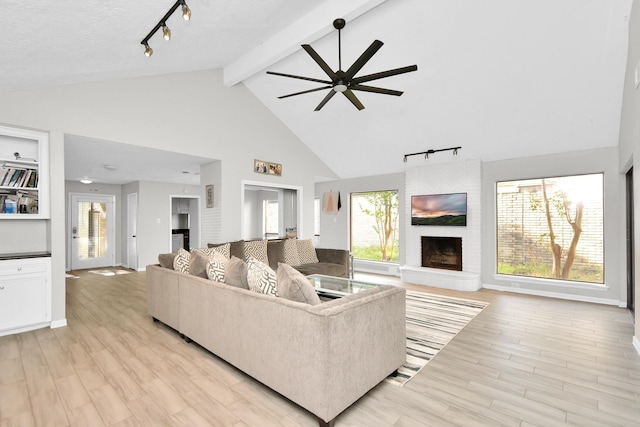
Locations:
column 19, row 178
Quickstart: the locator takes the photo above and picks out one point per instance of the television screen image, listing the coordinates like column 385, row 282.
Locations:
column 439, row 209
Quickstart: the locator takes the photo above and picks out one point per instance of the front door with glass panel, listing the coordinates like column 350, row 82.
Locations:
column 92, row 231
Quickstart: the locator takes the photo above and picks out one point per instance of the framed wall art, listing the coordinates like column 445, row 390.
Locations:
column 268, row 168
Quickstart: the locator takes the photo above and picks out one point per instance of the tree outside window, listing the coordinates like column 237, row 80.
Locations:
column 552, row 228
column 374, row 225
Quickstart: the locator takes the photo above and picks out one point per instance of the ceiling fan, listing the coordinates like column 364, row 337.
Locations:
column 346, row 82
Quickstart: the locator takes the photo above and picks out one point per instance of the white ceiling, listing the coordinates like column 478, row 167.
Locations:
column 500, row 78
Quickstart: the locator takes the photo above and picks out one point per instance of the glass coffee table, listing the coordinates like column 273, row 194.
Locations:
column 336, row 287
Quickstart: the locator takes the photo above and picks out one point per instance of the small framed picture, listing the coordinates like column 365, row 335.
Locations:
column 209, row 195
column 260, row 166
column 275, row 169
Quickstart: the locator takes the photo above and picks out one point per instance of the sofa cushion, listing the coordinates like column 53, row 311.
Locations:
column 261, row 277
column 181, row 261
column 235, row 273
column 328, row 269
column 294, row 286
column 291, row 252
column 166, row 260
column 256, row 249
column 306, row 251
column 275, row 253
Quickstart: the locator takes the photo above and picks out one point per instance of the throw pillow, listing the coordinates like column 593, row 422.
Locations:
column 291, row 252
column 256, row 249
column 294, row 286
column 235, row 273
column 224, row 249
column 181, row 261
column 215, row 270
column 198, row 264
column 306, row 252
column 261, row 277
column 166, row 260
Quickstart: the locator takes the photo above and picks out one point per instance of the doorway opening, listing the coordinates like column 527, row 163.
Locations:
column 270, row 212
column 185, row 222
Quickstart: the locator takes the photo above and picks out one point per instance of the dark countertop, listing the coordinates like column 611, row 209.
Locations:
column 23, row 255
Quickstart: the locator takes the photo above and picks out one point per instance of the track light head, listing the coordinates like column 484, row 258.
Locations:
column 186, row 12
column 166, row 32
column 147, row 50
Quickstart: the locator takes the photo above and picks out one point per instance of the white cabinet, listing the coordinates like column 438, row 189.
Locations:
column 25, row 294
column 24, row 174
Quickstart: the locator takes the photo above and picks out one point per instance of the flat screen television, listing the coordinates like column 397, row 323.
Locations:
column 439, row 209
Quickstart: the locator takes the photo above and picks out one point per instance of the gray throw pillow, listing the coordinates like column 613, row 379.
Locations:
column 292, row 285
column 166, row 260
column 235, row 273
column 198, row 264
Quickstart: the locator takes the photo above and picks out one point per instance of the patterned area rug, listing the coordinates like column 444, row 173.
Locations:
column 432, row 321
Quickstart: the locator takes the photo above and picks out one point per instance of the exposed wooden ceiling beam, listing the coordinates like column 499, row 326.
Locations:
column 310, row 28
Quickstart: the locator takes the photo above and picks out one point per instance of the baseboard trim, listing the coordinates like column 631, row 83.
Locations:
column 636, row 344
column 572, row 297
column 58, row 323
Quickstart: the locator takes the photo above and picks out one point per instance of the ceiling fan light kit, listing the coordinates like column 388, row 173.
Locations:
column 346, row 82
column 166, row 32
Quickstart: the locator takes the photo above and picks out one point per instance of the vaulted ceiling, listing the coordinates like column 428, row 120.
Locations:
column 502, row 79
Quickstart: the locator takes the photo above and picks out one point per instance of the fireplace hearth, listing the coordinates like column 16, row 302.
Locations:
column 442, row 252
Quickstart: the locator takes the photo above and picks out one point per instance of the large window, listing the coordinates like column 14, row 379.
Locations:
column 552, row 228
column 374, row 225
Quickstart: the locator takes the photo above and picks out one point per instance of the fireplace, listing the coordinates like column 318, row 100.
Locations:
column 442, row 252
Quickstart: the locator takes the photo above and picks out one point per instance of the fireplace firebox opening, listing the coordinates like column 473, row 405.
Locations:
column 442, row 252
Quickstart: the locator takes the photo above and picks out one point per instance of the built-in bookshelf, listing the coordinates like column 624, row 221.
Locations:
column 24, row 174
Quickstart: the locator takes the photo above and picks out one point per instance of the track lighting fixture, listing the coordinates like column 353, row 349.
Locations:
column 147, row 50
column 186, row 12
column 166, row 32
column 431, row 151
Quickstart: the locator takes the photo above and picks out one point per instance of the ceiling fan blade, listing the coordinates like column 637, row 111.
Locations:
column 376, row 90
column 304, row 91
column 320, row 61
column 366, row 56
column 299, row 77
column 354, row 99
column 383, row 74
column 325, row 100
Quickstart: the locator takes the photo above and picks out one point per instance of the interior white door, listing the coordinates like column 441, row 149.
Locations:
column 132, row 224
column 92, row 231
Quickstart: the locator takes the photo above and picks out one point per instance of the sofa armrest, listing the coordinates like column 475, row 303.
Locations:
column 333, row 256
column 162, row 295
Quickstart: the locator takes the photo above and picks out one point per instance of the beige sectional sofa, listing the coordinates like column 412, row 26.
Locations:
column 322, row 357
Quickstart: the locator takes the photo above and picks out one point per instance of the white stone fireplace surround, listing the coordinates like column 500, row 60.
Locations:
column 445, row 178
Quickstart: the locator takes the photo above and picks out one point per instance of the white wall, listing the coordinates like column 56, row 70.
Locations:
column 454, row 177
column 575, row 163
column 630, row 142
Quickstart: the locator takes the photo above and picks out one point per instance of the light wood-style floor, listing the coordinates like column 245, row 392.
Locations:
column 523, row 361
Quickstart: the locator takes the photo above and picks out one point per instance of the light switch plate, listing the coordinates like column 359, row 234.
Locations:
column 636, row 75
